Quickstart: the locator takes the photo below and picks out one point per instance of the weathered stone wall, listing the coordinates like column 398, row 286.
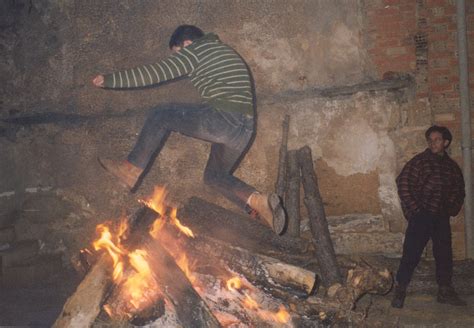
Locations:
column 301, row 53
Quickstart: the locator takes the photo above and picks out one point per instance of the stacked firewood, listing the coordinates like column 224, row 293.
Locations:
column 296, row 168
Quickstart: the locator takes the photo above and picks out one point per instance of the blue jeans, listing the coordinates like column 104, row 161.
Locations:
column 230, row 134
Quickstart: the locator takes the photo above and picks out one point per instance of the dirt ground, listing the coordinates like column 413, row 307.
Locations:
column 420, row 310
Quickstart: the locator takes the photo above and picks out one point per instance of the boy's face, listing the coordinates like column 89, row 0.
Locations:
column 436, row 143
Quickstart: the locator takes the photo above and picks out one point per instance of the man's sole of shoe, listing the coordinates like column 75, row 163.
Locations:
column 279, row 215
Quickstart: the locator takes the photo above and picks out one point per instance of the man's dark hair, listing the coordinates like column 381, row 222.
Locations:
column 441, row 129
column 183, row 33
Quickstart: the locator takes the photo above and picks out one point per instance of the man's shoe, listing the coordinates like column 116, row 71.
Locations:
column 447, row 294
column 270, row 209
column 125, row 172
column 399, row 296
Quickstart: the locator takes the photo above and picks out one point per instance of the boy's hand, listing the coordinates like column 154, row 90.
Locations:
column 98, row 81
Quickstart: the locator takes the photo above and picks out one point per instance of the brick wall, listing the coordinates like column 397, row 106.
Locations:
column 419, row 37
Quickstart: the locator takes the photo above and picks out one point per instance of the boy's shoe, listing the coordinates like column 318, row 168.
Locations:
column 270, row 209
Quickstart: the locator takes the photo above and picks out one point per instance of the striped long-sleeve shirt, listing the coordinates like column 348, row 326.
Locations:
column 215, row 69
column 432, row 183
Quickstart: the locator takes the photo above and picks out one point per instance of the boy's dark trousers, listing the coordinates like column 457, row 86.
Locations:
column 229, row 133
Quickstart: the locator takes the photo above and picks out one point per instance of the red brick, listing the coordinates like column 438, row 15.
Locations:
column 442, row 54
column 441, row 20
column 381, row 21
column 433, row 3
column 439, row 36
column 396, row 51
column 388, row 42
column 422, row 94
column 408, row 7
column 389, row 11
column 441, row 88
column 450, row 10
column 439, row 71
column 452, row 95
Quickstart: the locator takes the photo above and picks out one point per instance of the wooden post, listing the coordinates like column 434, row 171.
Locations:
column 330, row 273
column 292, row 197
column 281, row 182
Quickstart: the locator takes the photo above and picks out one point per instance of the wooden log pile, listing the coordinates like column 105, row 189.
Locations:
column 296, row 169
column 299, row 169
column 225, row 242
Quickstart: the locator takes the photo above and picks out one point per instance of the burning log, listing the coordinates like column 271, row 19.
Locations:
column 210, row 220
column 292, row 199
column 192, row 311
column 167, row 277
column 81, row 309
column 281, row 182
column 325, row 254
column 263, row 270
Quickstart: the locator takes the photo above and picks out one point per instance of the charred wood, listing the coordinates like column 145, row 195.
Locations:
column 263, row 270
column 191, row 310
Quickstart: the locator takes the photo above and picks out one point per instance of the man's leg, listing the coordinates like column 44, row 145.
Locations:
column 442, row 251
column 224, row 159
column 218, row 174
column 416, row 236
column 195, row 120
column 443, row 254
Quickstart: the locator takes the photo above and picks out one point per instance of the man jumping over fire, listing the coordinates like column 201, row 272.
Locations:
column 225, row 117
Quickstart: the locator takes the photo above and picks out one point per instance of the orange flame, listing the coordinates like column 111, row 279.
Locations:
column 156, row 228
column 250, row 303
column 157, row 203
column 141, row 280
column 183, row 264
column 282, row 316
column 188, row 232
column 234, row 283
column 139, row 286
column 105, row 242
column 137, row 282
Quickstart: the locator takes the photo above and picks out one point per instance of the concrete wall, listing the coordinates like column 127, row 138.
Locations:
column 302, row 55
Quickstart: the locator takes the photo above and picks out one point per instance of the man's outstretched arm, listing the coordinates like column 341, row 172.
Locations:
column 177, row 65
